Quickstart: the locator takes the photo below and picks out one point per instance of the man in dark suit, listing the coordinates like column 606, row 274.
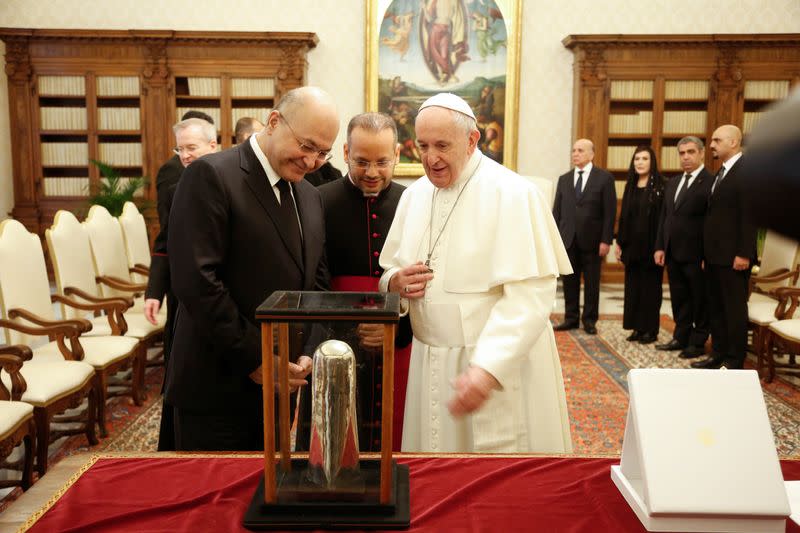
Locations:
column 244, row 223
column 584, row 209
column 194, row 138
column 729, row 244
column 170, row 172
column 679, row 245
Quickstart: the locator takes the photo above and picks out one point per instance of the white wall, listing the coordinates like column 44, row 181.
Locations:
column 337, row 64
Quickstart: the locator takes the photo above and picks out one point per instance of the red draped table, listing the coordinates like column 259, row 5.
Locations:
column 172, row 492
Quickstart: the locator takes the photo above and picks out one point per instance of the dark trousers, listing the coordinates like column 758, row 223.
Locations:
column 239, row 429
column 166, row 430
column 727, row 307
column 642, row 296
column 586, row 262
column 689, row 295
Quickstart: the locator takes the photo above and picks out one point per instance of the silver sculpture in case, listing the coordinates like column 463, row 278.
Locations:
column 333, row 456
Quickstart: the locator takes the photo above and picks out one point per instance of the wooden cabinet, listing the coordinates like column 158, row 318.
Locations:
column 631, row 90
column 113, row 96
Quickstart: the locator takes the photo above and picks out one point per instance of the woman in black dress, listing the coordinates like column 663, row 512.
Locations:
column 636, row 236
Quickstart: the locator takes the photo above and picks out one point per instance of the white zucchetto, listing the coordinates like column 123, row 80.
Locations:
column 449, row 101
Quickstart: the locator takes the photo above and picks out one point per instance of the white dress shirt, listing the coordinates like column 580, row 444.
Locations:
column 586, row 171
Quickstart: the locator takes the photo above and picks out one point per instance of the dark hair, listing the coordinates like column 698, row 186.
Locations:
column 373, row 123
column 656, row 182
column 632, row 175
column 197, row 114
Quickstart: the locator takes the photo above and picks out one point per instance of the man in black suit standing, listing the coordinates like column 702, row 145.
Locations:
column 729, row 244
column 244, row 223
column 679, row 245
column 194, row 138
column 170, row 172
column 584, row 209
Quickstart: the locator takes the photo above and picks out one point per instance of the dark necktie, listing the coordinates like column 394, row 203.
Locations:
column 718, row 179
column 683, row 189
column 579, row 185
column 289, row 219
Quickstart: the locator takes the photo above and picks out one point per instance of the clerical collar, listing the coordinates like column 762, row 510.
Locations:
column 272, row 176
column 365, row 195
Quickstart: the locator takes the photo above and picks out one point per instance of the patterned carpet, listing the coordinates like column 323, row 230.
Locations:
column 594, row 367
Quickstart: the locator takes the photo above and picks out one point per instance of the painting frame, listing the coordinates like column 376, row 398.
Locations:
column 511, row 11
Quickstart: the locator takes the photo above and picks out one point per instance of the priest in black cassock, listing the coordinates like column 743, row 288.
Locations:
column 359, row 209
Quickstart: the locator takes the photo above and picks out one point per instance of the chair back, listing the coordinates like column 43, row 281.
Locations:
column 23, row 279
column 134, row 234
column 779, row 252
column 108, row 248
column 71, row 257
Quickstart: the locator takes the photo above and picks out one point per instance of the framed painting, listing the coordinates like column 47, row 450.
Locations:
column 417, row 48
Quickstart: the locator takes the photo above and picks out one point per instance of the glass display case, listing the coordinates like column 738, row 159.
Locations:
column 349, row 338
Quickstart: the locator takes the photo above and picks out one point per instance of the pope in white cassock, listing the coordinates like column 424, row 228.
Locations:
column 475, row 253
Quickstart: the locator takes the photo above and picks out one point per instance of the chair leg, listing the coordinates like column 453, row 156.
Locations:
column 30, row 450
column 91, row 417
column 42, row 419
column 100, row 385
column 137, row 380
column 768, row 352
column 758, row 349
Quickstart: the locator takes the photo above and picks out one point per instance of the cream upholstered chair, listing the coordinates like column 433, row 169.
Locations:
column 111, row 261
column 57, row 377
column 17, row 425
column 26, row 294
column 777, row 270
column 74, row 270
column 137, row 247
column 782, row 336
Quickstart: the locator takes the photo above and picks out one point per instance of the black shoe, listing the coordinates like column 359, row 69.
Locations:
column 670, row 346
column 564, row 326
column 648, row 338
column 635, row 336
column 692, row 351
column 708, row 362
column 590, row 329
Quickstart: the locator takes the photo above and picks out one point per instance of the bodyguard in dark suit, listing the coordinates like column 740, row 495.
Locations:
column 729, row 245
column 679, row 245
column 584, row 209
column 194, row 138
column 243, row 224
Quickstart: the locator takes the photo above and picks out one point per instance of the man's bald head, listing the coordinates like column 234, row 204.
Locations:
column 726, row 142
column 582, row 152
column 300, row 132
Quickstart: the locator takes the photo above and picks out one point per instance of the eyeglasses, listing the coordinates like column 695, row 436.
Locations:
column 361, row 164
column 321, row 155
